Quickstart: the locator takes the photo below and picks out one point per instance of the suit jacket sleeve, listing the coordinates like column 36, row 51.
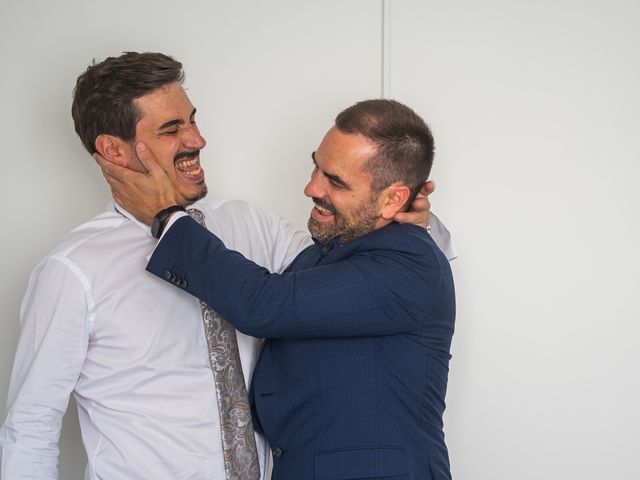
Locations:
column 375, row 292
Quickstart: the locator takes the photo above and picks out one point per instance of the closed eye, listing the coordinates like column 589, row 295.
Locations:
column 336, row 183
column 334, row 180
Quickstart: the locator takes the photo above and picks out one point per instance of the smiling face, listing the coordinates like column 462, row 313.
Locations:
column 169, row 130
column 341, row 190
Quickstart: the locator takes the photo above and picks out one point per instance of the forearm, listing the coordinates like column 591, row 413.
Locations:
column 359, row 296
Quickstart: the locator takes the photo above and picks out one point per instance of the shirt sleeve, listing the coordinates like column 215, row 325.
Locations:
column 55, row 317
column 370, row 293
column 442, row 237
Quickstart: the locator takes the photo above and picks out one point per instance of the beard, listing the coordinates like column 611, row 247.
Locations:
column 348, row 225
column 191, row 198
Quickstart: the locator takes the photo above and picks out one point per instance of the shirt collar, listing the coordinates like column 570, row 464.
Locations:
column 120, row 210
column 329, row 247
column 113, row 205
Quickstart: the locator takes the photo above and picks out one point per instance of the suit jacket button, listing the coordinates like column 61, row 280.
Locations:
column 183, row 283
column 167, row 274
column 277, row 452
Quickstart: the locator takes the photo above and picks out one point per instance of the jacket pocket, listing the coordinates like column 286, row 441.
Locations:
column 363, row 463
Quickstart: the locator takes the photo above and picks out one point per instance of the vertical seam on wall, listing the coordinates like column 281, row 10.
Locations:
column 385, row 74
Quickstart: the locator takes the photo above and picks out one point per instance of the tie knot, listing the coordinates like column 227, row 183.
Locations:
column 197, row 215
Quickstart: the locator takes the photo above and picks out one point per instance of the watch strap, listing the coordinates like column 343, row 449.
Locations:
column 162, row 217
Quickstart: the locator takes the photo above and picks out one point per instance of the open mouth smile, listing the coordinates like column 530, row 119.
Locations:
column 189, row 167
column 321, row 213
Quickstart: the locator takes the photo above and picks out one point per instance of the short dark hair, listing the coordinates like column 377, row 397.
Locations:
column 405, row 144
column 103, row 99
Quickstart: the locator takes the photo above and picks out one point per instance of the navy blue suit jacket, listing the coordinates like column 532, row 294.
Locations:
column 352, row 377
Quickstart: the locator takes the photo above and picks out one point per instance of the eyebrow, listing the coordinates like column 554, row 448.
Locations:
column 177, row 121
column 331, row 176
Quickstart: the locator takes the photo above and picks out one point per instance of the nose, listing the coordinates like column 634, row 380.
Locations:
column 192, row 138
column 315, row 186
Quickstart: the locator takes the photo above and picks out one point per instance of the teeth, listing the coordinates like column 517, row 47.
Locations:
column 193, row 173
column 322, row 210
column 186, row 163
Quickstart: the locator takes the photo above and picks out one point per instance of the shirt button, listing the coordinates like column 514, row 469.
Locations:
column 277, row 452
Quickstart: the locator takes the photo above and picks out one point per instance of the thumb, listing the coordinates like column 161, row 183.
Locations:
column 147, row 159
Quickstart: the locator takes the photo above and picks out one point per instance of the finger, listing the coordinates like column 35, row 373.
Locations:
column 116, row 197
column 100, row 160
column 413, row 218
column 113, row 185
column 428, row 188
column 420, row 204
column 403, row 217
column 147, row 159
column 111, row 170
column 426, row 204
column 112, row 181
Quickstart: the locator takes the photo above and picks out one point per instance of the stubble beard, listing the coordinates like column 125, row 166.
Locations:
column 190, row 200
column 362, row 221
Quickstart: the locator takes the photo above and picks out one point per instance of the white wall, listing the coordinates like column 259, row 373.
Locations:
column 267, row 79
column 534, row 108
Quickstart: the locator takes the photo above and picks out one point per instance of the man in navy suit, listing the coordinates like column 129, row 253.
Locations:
column 352, row 377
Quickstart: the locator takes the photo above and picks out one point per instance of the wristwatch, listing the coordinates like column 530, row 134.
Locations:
column 162, row 217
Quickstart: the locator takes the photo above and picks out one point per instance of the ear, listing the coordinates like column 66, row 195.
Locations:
column 394, row 199
column 113, row 149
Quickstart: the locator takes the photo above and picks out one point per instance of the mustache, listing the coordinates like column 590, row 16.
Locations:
column 324, row 204
column 186, row 154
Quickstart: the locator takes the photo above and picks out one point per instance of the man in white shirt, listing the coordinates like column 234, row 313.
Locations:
column 129, row 346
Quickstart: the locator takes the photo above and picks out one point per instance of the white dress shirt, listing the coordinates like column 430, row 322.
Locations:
column 132, row 350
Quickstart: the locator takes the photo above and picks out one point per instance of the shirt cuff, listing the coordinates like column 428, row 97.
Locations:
column 442, row 237
column 174, row 218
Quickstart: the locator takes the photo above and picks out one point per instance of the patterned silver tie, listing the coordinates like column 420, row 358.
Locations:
column 238, row 442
